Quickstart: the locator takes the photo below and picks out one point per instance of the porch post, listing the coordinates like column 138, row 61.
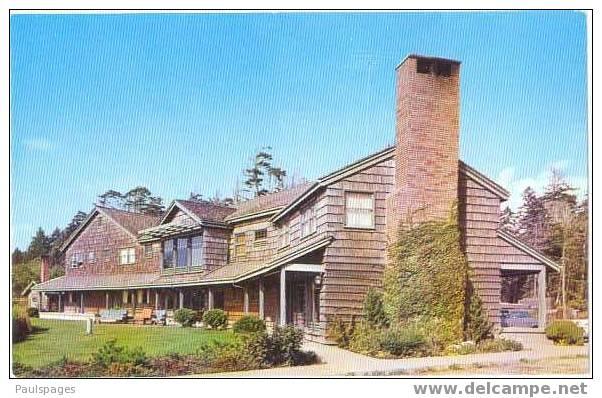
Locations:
column 282, row 297
column 210, row 298
column 106, row 300
column 166, row 300
column 181, row 299
column 147, row 296
column 60, row 301
column 246, row 300
column 261, row 300
column 542, row 305
column 81, row 302
column 156, row 299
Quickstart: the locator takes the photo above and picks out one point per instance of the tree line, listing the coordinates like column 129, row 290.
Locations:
column 555, row 223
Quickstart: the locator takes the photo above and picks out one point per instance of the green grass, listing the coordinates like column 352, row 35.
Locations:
column 55, row 339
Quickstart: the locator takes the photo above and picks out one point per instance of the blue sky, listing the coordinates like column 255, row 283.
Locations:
column 179, row 103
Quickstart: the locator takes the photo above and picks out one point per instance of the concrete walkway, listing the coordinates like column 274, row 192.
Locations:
column 339, row 362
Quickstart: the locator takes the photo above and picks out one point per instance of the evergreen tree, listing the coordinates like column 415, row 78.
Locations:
column 532, row 221
column 508, row 220
column 40, row 245
column 17, row 256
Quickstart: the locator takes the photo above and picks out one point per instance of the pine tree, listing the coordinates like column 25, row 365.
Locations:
column 532, row 222
column 39, row 246
column 508, row 220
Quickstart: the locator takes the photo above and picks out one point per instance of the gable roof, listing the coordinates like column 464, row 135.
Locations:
column 516, row 242
column 267, row 204
column 128, row 221
column 484, row 181
column 370, row 161
column 335, row 176
column 199, row 211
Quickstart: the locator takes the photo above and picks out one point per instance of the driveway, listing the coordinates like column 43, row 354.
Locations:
column 338, row 362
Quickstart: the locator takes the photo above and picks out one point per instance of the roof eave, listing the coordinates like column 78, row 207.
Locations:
column 528, row 249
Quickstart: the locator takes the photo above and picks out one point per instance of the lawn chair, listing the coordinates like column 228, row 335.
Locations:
column 159, row 317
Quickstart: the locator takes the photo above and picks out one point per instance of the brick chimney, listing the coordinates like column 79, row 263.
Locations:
column 45, row 269
column 427, row 140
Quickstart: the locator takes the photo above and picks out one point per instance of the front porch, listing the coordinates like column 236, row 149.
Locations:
column 289, row 295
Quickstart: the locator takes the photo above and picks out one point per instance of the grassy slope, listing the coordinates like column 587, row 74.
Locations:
column 68, row 338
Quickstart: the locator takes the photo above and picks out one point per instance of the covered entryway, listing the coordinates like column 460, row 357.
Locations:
column 523, row 297
column 299, row 295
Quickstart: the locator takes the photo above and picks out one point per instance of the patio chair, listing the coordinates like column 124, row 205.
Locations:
column 142, row 315
column 159, row 317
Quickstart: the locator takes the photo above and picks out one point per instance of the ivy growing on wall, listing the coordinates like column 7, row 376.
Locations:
column 425, row 279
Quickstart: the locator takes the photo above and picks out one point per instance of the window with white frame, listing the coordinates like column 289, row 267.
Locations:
column 359, row 210
column 91, row 257
column 77, row 259
column 285, row 236
column 127, row 256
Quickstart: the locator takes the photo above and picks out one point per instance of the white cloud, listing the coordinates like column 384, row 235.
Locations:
column 509, row 180
column 38, row 144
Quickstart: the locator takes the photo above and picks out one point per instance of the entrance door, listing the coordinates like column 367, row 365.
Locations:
column 298, row 303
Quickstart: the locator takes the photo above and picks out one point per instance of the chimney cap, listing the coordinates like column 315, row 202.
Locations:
column 426, row 57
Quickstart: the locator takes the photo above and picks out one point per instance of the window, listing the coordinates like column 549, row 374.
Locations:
column 91, row 257
column 77, row 259
column 182, row 253
column 359, row 210
column 260, row 236
column 107, row 254
column 308, row 222
column 127, row 256
column 168, row 250
column 240, row 246
column 285, row 237
column 148, row 251
column 196, row 257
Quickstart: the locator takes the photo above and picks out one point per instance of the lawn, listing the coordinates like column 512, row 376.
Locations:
column 55, row 339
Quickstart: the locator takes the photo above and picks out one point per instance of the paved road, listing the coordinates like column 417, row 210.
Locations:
column 338, row 362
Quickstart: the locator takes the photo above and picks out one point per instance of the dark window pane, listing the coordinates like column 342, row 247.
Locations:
column 182, row 253
column 168, row 254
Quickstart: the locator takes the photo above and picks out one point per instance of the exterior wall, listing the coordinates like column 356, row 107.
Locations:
column 215, row 247
column 256, row 251
column 355, row 260
column 105, row 239
column 479, row 211
column 427, row 143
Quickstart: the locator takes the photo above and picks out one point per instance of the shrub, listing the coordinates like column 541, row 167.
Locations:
column 341, row 332
column 249, row 324
column 477, row 325
column 185, row 317
column 425, row 277
column 21, row 326
column 33, row 312
column 499, row 345
column 365, row 339
column 404, row 341
column 111, row 353
column 215, row 319
column 373, row 311
column 284, row 344
column 564, row 333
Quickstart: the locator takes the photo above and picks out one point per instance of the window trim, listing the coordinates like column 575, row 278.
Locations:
column 130, row 256
column 262, row 241
column 309, row 220
column 237, row 254
column 373, row 218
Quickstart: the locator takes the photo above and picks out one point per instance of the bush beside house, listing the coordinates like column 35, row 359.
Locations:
column 215, row 319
